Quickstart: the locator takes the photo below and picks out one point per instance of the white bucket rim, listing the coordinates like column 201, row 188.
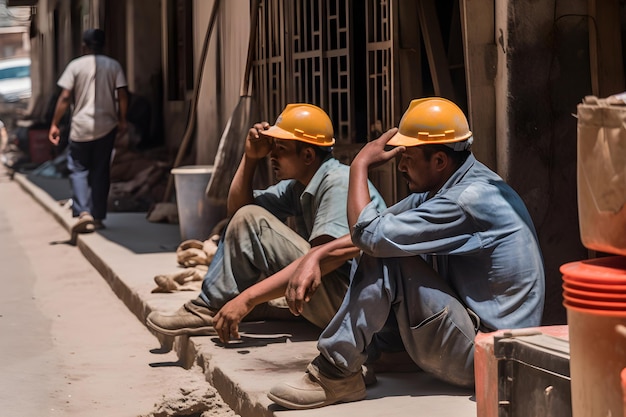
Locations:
column 193, row 169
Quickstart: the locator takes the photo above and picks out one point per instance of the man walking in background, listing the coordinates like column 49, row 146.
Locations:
column 91, row 82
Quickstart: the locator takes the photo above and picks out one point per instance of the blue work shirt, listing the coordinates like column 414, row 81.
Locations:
column 319, row 208
column 478, row 235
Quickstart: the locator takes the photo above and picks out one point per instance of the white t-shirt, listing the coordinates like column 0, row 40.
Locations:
column 93, row 79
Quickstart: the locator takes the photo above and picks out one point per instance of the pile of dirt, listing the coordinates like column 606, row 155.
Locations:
column 195, row 397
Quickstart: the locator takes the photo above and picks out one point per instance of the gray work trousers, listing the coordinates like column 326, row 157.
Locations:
column 256, row 244
column 435, row 327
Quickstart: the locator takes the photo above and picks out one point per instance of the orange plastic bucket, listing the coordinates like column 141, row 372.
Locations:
column 599, row 288
column 596, row 305
column 608, row 270
column 574, row 292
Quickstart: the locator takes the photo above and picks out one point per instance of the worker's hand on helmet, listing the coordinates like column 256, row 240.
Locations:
column 374, row 154
column 258, row 145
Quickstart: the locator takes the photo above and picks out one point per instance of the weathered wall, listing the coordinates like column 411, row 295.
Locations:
column 51, row 49
column 174, row 111
column 543, row 73
column 143, row 60
column 223, row 71
column 479, row 44
column 209, row 119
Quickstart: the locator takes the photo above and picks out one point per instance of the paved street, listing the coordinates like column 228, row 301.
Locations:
column 69, row 346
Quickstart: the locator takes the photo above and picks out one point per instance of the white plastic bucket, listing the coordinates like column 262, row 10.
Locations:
column 196, row 215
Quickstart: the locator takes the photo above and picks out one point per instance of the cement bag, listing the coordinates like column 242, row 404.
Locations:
column 601, row 173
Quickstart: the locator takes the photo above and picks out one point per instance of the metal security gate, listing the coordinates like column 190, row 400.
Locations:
column 303, row 55
column 379, row 67
column 269, row 67
column 361, row 61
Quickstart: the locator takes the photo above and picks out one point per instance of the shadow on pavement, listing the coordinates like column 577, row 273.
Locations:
column 131, row 230
column 137, row 234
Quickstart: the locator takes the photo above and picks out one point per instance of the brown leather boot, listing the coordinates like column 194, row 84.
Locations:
column 193, row 318
column 315, row 390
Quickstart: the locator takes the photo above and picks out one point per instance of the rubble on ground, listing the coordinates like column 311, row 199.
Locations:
column 194, row 397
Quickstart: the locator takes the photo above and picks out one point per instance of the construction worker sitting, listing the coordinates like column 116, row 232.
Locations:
column 310, row 265
column 457, row 256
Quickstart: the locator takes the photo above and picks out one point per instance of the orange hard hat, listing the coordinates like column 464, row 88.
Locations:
column 433, row 120
column 303, row 122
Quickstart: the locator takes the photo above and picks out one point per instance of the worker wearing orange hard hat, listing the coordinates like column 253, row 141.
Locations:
column 457, row 256
column 305, row 123
column 260, row 259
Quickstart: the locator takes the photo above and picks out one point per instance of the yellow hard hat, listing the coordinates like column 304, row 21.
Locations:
column 433, row 120
column 303, row 122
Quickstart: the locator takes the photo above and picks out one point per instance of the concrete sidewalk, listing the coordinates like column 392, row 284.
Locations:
column 131, row 251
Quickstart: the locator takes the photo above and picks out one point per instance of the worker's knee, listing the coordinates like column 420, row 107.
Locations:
column 247, row 218
column 248, row 213
column 253, row 223
column 440, row 347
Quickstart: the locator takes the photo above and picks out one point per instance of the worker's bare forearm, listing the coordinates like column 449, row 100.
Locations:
column 270, row 288
column 122, row 98
column 335, row 253
column 240, row 192
column 257, row 147
column 329, row 256
column 62, row 104
column 358, row 192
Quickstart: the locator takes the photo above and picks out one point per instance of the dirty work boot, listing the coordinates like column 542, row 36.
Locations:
column 193, row 318
column 369, row 375
column 84, row 224
column 315, row 390
column 98, row 225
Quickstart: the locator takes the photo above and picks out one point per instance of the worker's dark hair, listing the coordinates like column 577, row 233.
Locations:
column 457, row 156
column 94, row 39
column 321, row 151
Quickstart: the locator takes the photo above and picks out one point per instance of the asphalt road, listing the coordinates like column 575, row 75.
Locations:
column 68, row 345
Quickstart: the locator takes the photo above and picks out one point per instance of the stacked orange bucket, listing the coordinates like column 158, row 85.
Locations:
column 594, row 290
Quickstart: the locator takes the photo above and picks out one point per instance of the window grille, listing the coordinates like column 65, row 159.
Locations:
column 360, row 60
column 379, row 67
column 303, row 55
column 269, row 66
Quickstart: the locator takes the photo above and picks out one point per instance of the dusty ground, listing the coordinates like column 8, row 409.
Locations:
column 68, row 345
column 191, row 396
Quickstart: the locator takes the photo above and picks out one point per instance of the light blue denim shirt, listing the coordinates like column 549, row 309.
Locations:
column 320, row 208
column 479, row 236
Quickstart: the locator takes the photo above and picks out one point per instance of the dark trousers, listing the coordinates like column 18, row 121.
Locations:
column 90, row 169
